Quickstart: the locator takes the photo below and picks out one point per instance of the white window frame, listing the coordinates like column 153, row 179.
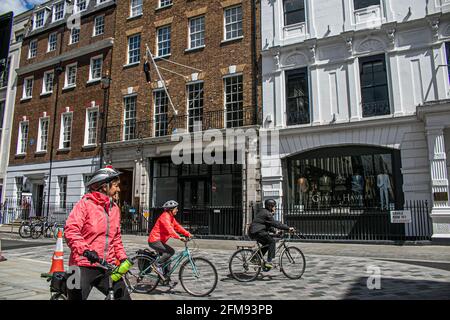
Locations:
column 66, row 180
column 94, row 31
column 24, row 94
column 140, row 8
column 189, row 102
column 128, row 49
column 20, row 139
column 90, row 69
column 39, row 140
column 160, row 5
column 66, row 77
column 35, row 19
column 54, row 12
column 30, row 56
column 87, row 126
column 225, row 10
column 44, row 82
column 229, row 103
column 71, row 36
column 169, row 27
column 62, row 131
column 76, row 6
column 197, row 32
column 155, row 92
column 49, row 43
column 125, row 113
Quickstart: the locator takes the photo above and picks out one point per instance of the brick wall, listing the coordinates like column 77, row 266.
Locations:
column 213, row 59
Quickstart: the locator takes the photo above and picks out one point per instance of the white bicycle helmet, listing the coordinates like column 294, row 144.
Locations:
column 102, row 176
column 170, row 204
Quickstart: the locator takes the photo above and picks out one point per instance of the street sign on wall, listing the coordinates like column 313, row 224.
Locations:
column 401, row 216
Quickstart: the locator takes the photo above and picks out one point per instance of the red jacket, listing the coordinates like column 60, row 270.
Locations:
column 166, row 227
column 87, row 229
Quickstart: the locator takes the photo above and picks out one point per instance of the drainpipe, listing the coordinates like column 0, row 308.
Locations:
column 254, row 61
column 58, row 71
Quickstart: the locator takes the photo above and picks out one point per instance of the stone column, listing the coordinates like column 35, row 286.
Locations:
column 439, row 183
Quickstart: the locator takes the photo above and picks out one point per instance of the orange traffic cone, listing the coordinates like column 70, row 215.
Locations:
column 58, row 256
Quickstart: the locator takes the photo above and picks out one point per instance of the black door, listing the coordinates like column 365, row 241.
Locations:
column 40, row 200
column 195, row 200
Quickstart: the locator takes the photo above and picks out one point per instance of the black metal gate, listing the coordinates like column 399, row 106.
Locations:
column 204, row 221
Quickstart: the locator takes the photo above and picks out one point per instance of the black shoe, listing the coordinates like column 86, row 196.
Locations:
column 169, row 283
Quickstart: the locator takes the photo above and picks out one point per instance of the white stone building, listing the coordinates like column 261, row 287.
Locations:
column 358, row 91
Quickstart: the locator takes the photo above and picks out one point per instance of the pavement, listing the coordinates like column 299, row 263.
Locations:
column 333, row 271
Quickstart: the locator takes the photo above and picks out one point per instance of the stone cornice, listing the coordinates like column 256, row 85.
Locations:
column 97, row 46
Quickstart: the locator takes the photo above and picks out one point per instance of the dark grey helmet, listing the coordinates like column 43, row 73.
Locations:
column 102, row 176
column 270, row 203
column 170, row 204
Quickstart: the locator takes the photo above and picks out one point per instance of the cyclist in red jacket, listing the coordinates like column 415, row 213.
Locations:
column 166, row 227
column 93, row 234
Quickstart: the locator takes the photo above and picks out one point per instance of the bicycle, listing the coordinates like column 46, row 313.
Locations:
column 145, row 278
column 247, row 262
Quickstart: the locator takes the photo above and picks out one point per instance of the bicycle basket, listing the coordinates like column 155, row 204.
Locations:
column 58, row 283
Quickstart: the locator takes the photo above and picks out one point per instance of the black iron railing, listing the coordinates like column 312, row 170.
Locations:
column 166, row 125
column 359, row 223
column 204, row 221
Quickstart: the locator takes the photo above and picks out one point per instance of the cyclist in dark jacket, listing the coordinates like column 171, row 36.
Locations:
column 262, row 225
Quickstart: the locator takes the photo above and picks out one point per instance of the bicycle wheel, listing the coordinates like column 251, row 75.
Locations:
column 56, row 229
column 37, row 231
column 25, row 231
column 199, row 277
column 141, row 277
column 58, row 296
column 292, row 263
column 241, row 268
column 48, row 232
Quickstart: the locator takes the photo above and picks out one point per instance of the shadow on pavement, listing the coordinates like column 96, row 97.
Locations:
column 404, row 289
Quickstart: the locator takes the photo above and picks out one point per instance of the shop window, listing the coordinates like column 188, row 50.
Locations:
column 344, row 177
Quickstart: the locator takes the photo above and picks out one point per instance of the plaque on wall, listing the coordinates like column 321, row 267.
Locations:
column 440, row 196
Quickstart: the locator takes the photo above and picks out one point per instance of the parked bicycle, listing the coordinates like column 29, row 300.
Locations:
column 197, row 275
column 247, row 262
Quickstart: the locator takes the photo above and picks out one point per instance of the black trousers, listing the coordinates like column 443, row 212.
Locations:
column 267, row 241
column 165, row 251
column 96, row 277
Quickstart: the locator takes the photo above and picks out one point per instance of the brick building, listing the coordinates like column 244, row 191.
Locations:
column 208, row 55
column 55, row 131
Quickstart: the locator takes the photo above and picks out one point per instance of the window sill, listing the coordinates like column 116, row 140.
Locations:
column 20, row 155
column 130, row 65
column 40, row 153
column 195, row 49
column 135, row 17
column 162, row 8
column 46, row 94
column 94, row 81
column 232, row 40
column 63, row 150
column 89, row 146
column 68, row 88
column 97, row 35
column 162, row 57
column 25, row 99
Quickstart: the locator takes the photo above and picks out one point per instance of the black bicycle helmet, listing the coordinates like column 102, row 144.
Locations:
column 171, row 204
column 269, row 204
column 102, row 176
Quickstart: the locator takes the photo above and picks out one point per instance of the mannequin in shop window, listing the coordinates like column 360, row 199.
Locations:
column 325, row 188
column 370, row 189
column 303, row 188
column 384, row 184
column 358, row 188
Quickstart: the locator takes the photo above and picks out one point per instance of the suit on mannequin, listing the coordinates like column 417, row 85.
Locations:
column 384, row 184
